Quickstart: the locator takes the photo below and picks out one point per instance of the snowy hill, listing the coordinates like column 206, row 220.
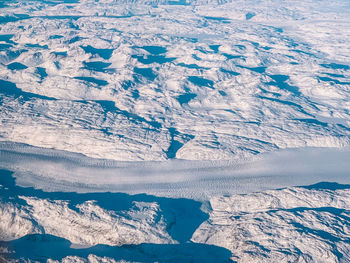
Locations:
column 174, row 131
column 156, row 82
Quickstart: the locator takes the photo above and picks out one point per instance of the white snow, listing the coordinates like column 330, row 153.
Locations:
column 288, row 225
column 243, row 112
column 235, row 103
column 90, row 225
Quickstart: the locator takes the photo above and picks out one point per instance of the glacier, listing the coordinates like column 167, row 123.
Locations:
column 174, row 131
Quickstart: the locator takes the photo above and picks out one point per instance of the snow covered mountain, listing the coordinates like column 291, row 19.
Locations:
column 174, row 131
column 156, row 82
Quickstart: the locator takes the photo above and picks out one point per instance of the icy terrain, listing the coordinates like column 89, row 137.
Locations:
column 296, row 224
column 174, row 131
column 308, row 224
column 53, row 170
column 156, row 81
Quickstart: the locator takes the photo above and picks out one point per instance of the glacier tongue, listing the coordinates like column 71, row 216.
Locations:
column 54, row 170
column 174, row 131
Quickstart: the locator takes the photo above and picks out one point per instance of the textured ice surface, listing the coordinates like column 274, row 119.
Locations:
column 299, row 224
column 156, row 80
column 209, row 83
column 54, row 170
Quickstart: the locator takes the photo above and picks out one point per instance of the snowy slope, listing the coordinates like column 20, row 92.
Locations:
column 174, row 131
column 308, row 224
column 151, row 81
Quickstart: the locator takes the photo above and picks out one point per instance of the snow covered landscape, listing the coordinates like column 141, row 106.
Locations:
column 174, row 131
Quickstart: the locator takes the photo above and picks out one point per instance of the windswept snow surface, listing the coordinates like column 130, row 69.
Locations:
column 174, row 131
column 196, row 80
